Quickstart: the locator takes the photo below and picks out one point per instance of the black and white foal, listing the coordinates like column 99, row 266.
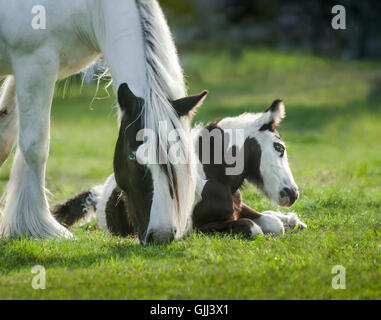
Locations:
column 218, row 206
column 263, row 158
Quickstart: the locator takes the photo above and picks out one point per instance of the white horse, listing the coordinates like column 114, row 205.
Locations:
column 136, row 43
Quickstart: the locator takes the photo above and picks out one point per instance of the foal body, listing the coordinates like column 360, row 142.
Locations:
column 218, row 205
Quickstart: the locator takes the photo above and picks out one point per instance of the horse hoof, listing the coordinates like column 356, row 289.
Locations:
column 159, row 237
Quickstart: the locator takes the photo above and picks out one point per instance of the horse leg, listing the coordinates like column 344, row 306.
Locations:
column 8, row 118
column 26, row 211
column 245, row 227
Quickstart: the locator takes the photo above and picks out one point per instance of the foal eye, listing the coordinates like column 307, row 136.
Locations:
column 280, row 148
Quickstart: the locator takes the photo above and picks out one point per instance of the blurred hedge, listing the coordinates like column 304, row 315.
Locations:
column 302, row 24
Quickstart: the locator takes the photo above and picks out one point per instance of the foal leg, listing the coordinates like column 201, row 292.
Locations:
column 82, row 205
column 290, row 221
column 117, row 218
column 26, row 210
column 271, row 221
column 270, row 224
column 8, row 118
column 243, row 226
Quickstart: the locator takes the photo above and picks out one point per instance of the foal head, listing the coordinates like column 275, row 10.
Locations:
column 266, row 163
column 134, row 177
column 274, row 176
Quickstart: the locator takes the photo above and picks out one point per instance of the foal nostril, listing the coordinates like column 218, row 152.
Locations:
column 283, row 193
column 292, row 194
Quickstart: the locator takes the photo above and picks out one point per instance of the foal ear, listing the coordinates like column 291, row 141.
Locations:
column 128, row 102
column 273, row 115
column 188, row 105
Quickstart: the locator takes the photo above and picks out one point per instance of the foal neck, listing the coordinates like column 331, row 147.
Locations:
column 209, row 162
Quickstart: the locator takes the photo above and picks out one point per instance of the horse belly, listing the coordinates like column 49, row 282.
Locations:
column 73, row 62
column 66, row 34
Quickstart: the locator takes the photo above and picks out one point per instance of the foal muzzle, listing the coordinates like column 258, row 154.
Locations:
column 288, row 196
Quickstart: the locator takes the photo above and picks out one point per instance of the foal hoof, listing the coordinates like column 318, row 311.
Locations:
column 293, row 222
column 255, row 231
column 270, row 225
column 159, row 237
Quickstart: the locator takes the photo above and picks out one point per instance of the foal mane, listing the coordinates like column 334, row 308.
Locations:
column 165, row 83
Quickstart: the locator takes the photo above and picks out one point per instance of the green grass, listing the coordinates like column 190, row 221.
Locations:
column 333, row 134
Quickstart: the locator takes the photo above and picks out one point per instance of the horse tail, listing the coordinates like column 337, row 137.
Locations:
column 166, row 83
column 81, row 206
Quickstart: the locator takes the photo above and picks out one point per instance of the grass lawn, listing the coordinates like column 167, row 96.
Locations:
column 333, row 134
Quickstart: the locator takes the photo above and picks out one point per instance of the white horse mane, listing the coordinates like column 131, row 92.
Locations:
column 165, row 82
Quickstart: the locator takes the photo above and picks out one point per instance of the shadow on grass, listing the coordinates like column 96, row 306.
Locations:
column 93, row 250
column 17, row 255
